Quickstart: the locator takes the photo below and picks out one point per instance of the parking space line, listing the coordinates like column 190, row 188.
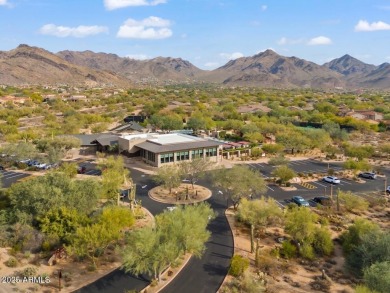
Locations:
column 346, row 182
column 279, row 203
column 315, row 182
column 16, row 175
column 270, row 188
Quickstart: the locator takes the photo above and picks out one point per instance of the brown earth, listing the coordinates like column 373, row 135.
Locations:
column 74, row 274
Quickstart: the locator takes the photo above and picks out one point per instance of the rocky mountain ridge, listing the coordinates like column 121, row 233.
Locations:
column 33, row 65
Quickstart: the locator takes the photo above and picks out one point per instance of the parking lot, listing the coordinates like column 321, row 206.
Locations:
column 318, row 187
column 10, row 177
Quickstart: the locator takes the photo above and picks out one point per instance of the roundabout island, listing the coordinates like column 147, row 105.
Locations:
column 184, row 194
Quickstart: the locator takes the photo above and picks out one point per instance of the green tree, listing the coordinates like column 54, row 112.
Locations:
column 272, row 148
column 258, row 214
column 377, row 277
column 114, row 176
column 34, row 198
column 323, row 243
column 148, row 251
column 284, row 173
column 353, row 236
column 169, row 176
column 278, row 160
column 374, row 248
column 239, row 182
column 356, row 166
column 195, row 169
column 196, row 124
column 68, row 168
column 352, row 202
column 238, row 265
column 153, row 250
column 295, row 141
column 187, row 227
column 62, row 222
column 300, row 223
column 92, row 240
column 20, row 151
column 359, row 152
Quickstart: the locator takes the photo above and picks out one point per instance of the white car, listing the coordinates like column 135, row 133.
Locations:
column 331, row 179
column 388, row 189
column 171, row 209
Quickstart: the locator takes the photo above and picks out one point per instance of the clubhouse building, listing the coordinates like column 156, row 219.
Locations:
column 161, row 149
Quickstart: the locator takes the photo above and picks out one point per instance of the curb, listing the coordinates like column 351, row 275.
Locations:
column 186, row 260
column 234, row 249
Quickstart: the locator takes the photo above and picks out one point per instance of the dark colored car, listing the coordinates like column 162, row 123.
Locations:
column 1, row 168
column 81, row 170
column 323, row 200
column 300, row 201
column 368, row 175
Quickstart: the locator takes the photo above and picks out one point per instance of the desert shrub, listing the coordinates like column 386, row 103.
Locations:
column 29, row 272
column 307, row 251
column 238, row 265
column 377, row 277
column 322, row 242
column 289, row 250
column 353, row 236
column 373, row 248
column 11, row 262
column 363, row 289
column 352, row 202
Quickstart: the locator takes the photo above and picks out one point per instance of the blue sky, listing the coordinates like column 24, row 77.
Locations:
column 207, row 33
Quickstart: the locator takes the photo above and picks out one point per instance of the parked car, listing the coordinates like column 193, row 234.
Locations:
column 81, row 169
column 41, row 166
column 388, row 189
column 323, row 200
column 331, row 179
column 33, row 163
column 300, row 201
column 368, row 175
column 2, row 168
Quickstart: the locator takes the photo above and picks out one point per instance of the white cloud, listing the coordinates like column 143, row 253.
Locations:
column 149, row 28
column 365, row 26
column 116, row 4
column 138, row 56
column 321, row 40
column 78, row 32
column 4, row 3
column 231, row 56
column 264, row 7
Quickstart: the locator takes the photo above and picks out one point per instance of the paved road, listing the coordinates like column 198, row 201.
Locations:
column 10, row 177
column 199, row 275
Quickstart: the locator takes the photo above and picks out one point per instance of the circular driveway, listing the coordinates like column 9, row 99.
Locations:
column 205, row 274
